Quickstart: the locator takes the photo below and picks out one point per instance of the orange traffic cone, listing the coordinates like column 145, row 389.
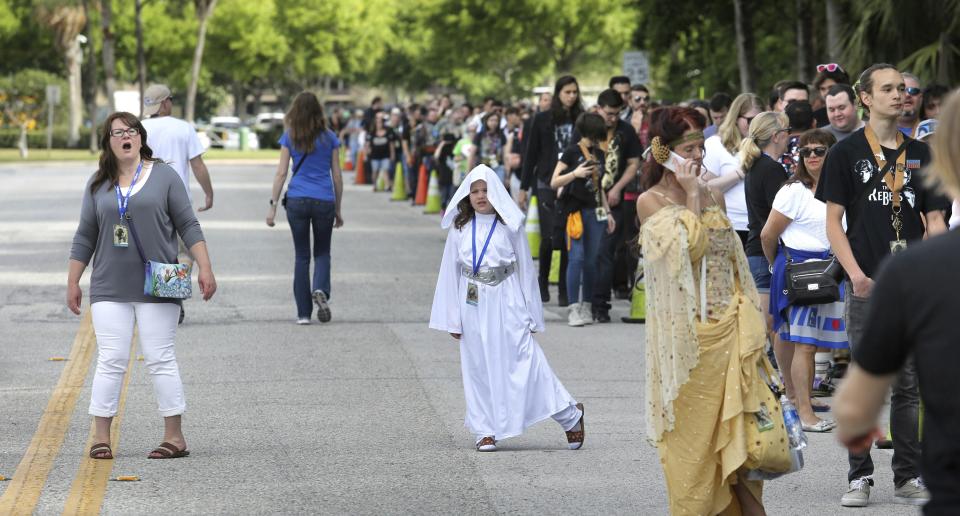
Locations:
column 421, row 197
column 347, row 163
column 361, row 177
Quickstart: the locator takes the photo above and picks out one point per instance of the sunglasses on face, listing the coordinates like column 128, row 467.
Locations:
column 829, row 67
column 641, row 99
column 806, row 152
column 913, row 92
column 118, row 133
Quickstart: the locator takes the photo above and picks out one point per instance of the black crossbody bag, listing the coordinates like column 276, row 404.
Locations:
column 816, row 282
column 283, row 202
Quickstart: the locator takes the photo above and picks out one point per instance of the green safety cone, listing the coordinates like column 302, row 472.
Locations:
column 381, row 183
column 638, row 304
column 433, row 195
column 533, row 228
column 554, row 277
column 399, row 188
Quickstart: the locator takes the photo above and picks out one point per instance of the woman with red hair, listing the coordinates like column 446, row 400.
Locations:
column 705, row 331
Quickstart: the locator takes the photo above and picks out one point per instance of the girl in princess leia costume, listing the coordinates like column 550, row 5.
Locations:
column 488, row 298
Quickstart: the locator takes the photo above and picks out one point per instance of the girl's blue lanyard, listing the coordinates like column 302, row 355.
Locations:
column 473, row 241
column 123, row 200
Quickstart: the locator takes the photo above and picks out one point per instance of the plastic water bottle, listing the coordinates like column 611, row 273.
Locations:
column 791, row 420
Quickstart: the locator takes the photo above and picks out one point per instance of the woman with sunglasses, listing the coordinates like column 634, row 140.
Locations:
column 724, row 171
column 797, row 221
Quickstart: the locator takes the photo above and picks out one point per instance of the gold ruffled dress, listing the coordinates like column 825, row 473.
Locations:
column 705, row 337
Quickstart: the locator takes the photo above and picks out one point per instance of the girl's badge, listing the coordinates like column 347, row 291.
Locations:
column 121, row 236
column 473, row 294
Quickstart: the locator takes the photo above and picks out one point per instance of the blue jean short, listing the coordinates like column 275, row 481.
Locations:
column 760, row 269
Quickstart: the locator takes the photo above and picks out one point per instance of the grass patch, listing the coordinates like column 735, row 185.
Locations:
column 13, row 155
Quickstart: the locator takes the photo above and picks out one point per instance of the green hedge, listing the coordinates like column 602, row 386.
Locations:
column 37, row 139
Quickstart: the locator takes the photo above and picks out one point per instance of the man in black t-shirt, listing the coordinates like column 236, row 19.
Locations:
column 622, row 160
column 870, row 237
column 927, row 331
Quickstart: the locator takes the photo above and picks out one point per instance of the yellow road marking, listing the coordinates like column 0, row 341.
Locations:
column 24, row 490
column 90, row 485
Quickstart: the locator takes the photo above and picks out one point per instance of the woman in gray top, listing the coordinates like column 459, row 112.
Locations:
column 131, row 185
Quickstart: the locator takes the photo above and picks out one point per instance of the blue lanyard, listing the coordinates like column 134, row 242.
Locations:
column 473, row 241
column 123, row 200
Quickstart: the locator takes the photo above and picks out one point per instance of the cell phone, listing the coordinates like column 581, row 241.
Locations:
column 589, row 163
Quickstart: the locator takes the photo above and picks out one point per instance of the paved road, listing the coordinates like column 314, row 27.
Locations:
column 363, row 415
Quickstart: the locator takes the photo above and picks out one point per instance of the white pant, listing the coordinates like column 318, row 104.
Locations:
column 113, row 324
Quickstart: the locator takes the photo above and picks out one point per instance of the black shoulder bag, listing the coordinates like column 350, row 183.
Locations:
column 816, row 282
column 283, row 202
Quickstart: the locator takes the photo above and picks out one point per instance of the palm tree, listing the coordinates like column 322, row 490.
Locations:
column 67, row 20
column 920, row 37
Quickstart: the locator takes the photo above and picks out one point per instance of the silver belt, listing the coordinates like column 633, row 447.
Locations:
column 489, row 275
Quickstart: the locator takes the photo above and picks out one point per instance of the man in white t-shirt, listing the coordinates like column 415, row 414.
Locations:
column 175, row 141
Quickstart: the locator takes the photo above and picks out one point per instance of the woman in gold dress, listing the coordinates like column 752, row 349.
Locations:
column 705, row 331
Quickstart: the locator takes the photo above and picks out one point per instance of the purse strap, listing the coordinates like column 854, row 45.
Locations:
column 136, row 241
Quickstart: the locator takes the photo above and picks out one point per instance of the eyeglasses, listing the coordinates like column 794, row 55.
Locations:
column 641, row 99
column 806, row 152
column 912, row 91
column 118, row 133
column 829, row 67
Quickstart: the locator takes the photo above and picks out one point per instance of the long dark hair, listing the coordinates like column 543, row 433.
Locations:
column 109, row 169
column 802, row 175
column 669, row 123
column 305, row 121
column 559, row 113
column 465, row 212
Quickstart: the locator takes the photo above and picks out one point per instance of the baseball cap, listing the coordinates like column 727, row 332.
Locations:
column 152, row 98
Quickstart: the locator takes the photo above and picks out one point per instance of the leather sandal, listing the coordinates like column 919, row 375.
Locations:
column 575, row 437
column 487, row 444
column 101, row 451
column 167, row 451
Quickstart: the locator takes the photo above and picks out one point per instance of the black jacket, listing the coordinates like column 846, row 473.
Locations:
column 541, row 152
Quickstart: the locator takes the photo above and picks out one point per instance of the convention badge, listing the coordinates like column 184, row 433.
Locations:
column 473, row 294
column 764, row 421
column 897, row 246
column 120, row 236
column 601, row 214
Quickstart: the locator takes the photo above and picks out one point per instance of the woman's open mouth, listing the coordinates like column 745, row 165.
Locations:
column 127, row 146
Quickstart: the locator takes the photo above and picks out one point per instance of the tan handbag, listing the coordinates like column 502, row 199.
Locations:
column 768, row 445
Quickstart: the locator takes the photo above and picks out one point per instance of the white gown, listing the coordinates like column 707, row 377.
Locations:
column 507, row 381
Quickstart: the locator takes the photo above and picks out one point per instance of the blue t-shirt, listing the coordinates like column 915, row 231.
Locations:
column 313, row 179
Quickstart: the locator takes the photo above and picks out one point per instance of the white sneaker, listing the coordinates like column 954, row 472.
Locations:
column 303, row 321
column 487, row 444
column 912, row 493
column 858, row 495
column 574, row 318
column 586, row 312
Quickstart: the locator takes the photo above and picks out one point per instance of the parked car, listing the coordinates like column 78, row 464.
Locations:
column 225, row 133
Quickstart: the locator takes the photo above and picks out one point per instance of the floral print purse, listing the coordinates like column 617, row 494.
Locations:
column 168, row 280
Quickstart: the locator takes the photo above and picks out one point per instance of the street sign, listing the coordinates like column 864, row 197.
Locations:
column 53, row 94
column 636, row 66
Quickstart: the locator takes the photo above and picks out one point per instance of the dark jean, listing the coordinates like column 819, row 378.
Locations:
column 760, row 269
column 302, row 214
column 583, row 258
column 904, row 406
column 623, row 215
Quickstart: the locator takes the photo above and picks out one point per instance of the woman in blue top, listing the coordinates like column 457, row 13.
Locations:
column 312, row 200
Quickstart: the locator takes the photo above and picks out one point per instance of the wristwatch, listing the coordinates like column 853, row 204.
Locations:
column 272, row 202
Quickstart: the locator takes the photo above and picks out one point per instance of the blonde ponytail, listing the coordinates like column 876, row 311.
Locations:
column 762, row 129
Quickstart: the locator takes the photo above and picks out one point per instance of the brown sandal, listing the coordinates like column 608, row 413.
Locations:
column 575, row 437
column 101, row 451
column 487, row 444
column 167, row 451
